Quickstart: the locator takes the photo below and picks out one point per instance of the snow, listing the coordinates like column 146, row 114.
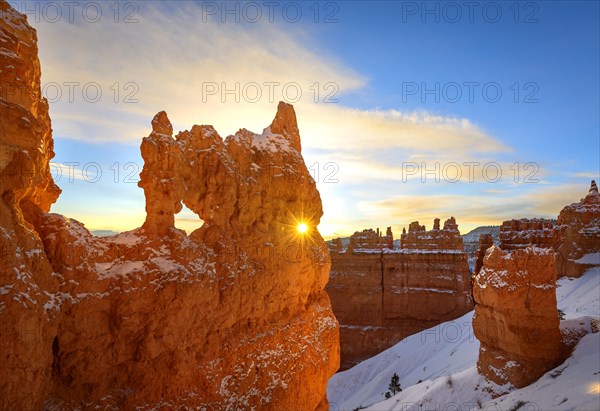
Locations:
column 581, row 296
column 591, row 258
column 573, row 385
column 444, row 358
column 269, row 141
column 127, row 238
column 110, row 270
column 5, row 289
column 447, row 348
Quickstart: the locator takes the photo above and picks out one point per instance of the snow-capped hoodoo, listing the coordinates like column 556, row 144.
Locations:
column 234, row 316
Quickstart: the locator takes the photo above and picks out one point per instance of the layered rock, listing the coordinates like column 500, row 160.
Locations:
column 418, row 238
column 525, row 232
column 234, row 316
column 335, row 245
column 370, row 239
column 516, row 317
column 577, row 234
column 472, row 238
column 380, row 296
column 28, row 285
column 485, row 242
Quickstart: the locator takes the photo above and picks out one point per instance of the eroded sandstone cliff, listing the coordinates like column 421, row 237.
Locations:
column 234, row 316
column 516, row 319
column 381, row 295
column 524, row 232
column 577, row 235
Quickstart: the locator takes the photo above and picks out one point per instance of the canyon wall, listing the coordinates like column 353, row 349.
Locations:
column 233, row 316
column 525, row 232
column 381, row 295
column 27, row 281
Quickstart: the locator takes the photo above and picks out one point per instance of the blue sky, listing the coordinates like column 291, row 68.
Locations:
column 377, row 57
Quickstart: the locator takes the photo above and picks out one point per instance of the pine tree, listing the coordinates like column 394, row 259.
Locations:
column 394, row 387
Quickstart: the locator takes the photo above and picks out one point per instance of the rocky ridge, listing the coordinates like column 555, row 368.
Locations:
column 381, row 294
column 232, row 316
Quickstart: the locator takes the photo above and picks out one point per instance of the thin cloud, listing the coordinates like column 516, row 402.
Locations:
column 169, row 66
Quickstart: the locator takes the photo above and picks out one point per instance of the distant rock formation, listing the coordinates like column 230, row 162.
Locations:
column 471, row 241
column 519, row 234
column 418, row 238
column 577, row 234
column 381, row 295
column 485, row 241
column 371, row 240
column 234, row 316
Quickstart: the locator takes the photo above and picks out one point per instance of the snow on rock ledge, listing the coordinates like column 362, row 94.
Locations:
column 516, row 317
column 234, row 316
column 578, row 235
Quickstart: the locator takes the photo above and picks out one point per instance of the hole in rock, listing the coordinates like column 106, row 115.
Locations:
column 187, row 220
column 55, row 351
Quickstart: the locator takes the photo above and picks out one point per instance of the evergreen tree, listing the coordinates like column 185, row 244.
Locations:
column 394, row 387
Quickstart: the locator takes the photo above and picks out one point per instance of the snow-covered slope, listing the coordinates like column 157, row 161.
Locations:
column 444, row 358
column 444, row 349
column 573, row 385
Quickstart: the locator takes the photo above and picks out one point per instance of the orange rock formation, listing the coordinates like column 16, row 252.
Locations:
column 485, row 242
column 518, row 234
column 381, row 295
column 234, row 316
column 516, row 317
column 577, row 234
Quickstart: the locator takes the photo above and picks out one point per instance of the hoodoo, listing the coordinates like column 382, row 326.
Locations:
column 226, row 318
column 577, row 235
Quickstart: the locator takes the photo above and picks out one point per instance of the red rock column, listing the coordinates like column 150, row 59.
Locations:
column 516, row 317
column 485, row 242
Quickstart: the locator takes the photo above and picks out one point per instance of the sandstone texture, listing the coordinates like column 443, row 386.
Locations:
column 516, row 317
column 369, row 240
column 381, row 295
column 471, row 242
column 577, row 236
column 27, row 281
column 233, row 316
column 519, row 234
column 485, row 242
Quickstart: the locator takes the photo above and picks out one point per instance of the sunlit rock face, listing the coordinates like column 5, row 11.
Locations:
column 577, row 234
column 381, row 295
column 516, row 317
column 234, row 316
column 525, row 232
column 27, row 283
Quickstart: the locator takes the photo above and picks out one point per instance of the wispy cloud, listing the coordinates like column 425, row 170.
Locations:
column 155, row 65
column 169, row 66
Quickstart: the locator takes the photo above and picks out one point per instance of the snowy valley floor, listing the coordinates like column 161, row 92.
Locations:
column 437, row 368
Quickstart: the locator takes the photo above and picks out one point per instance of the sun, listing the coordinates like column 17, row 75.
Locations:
column 302, row 228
